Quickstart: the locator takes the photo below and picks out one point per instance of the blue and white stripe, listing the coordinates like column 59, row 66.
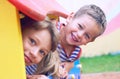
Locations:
column 31, row 69
column 64, row 57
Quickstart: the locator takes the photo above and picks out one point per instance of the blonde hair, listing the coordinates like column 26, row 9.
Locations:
column 45, row 24
column 49, row 64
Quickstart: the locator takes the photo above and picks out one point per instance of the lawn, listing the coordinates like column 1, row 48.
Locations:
column 104, row 63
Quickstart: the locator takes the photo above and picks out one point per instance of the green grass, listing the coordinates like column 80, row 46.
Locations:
column 104, row 63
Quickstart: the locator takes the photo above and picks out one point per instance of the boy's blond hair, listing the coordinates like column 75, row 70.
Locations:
column 95, row 12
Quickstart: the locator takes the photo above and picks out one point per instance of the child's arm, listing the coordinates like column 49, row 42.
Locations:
column 37, row 77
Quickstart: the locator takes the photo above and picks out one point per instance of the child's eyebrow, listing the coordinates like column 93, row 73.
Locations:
column 81, row 25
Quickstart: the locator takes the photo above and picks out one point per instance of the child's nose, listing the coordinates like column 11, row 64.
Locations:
column 34, row 52
column 80, row 34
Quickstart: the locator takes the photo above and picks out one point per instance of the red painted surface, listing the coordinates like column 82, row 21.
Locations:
column 38, row 9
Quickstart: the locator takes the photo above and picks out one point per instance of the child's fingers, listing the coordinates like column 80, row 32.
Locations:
column 28, row 76
column 63, row 73
column 37, row 77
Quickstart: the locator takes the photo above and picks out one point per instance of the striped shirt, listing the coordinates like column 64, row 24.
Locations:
column 31, row 69
column 75, row 54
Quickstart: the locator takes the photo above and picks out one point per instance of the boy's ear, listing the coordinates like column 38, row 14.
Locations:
column 70, row 16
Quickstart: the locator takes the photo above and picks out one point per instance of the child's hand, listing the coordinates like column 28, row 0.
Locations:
column 63, row 72
column 68, row 65
column 37, row 77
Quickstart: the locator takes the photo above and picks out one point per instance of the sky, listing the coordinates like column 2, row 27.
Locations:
column 110, row 7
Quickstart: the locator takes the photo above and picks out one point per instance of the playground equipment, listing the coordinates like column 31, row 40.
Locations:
column 11, row 51
column 38, row 9
column 11, row 56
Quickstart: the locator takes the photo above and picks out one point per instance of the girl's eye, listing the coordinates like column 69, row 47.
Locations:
column 32, row 41
column 42, row 52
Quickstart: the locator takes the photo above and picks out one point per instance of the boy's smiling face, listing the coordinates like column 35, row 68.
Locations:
column 36, row 45
column 81, row 30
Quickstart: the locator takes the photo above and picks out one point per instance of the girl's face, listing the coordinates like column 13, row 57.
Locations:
column 80, row 31
column 36, row 45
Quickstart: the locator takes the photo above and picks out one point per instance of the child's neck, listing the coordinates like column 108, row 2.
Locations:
column 67, row 48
